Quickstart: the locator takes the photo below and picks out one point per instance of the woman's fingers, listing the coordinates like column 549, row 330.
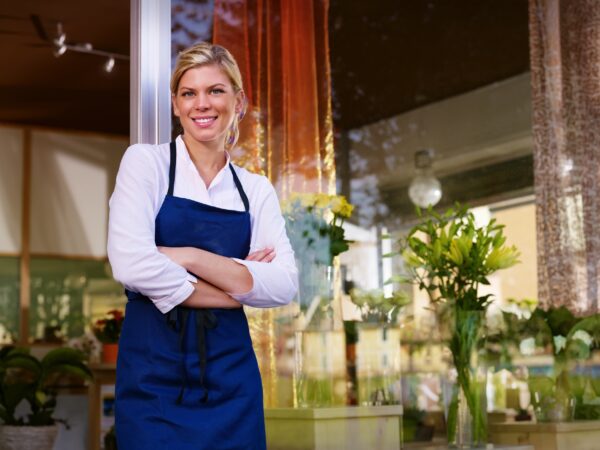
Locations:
column 264, row 255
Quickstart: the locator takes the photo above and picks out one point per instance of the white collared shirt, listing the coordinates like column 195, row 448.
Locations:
column 142, row 184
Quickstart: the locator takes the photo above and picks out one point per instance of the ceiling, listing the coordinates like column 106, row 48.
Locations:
column 387, row 56
column 391, row 56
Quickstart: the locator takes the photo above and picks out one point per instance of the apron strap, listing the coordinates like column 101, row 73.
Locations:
column 172, row 166
column 240, row 189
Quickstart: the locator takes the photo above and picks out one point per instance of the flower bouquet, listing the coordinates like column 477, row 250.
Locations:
column 315, row 221
column 315, row 228
column 450, row 257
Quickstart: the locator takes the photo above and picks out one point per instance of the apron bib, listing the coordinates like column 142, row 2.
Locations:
column 189, row 379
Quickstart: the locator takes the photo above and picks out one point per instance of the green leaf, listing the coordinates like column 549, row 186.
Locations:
column 17, row 360
column 76, row 369
column 62, row 355
column 400, row 279
column 452, row 416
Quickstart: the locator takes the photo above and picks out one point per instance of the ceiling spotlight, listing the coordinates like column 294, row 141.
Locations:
column 60, row 50
column 61, row 36
column 60, row 40
column 109, row 65
column 425, row 189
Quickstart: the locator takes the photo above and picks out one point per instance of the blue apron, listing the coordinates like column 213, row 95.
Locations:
column 189, row 379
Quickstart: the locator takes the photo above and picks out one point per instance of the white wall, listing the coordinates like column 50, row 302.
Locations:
column 11, row 191
column 72, row 180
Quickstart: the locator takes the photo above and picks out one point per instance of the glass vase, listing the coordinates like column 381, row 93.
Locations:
column 319, row 341
column 553, row 391
column 464, row 386
column 320, row 369
column 378, row 364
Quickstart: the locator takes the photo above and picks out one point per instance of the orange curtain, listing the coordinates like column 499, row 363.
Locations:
column 283, row 52
column 282, row 49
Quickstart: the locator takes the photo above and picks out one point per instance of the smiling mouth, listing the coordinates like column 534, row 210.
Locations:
column 204, row 120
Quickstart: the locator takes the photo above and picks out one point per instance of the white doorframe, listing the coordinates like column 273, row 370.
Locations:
column 150, row 100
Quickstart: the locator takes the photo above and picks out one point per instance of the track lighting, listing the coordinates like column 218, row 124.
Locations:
column 60, row 44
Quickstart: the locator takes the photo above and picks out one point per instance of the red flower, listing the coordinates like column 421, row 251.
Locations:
column 107, row 330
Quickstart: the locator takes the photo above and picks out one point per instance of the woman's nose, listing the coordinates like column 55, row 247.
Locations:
column 202, row 101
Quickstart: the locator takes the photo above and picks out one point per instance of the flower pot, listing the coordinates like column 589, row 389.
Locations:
column 109, row 353
column 27, row 437
column 464, row 387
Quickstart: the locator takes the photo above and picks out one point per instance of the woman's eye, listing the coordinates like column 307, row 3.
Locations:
column 187, row 94
column 217, row 91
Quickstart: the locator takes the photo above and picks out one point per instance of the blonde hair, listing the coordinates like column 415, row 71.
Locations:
column 206, row 54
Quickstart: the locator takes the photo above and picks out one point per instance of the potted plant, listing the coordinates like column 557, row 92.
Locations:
column 567, row 390
column 108, row 330
column 450, row 257
column 24, row 377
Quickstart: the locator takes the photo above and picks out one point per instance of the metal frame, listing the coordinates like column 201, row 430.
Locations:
column 150, row 99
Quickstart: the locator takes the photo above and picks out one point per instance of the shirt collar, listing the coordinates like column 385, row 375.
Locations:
column 183, row 155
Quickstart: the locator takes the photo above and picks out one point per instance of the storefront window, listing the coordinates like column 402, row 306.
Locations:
column 67, row 295
column 9, row 299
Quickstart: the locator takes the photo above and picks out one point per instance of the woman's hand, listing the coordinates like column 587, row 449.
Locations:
column 265, row 255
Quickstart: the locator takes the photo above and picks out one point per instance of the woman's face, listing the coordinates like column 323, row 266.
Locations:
column 206, row 104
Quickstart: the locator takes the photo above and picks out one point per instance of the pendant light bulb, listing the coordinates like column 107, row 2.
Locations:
column 425, row 189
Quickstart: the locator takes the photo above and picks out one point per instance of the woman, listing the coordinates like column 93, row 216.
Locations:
column 193, row 238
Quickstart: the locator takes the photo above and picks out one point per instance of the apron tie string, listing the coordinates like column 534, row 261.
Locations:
column 205, row 320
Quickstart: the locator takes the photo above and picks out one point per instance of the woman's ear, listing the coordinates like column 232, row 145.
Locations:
column 174, row 104
column 240, row 104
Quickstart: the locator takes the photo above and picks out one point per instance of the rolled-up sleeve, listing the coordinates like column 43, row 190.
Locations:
column 274, row 283
column 132, row 252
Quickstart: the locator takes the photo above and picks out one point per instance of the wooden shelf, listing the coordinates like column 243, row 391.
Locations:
column 104, row 374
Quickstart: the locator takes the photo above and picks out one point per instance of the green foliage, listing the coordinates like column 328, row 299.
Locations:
column 375, row 307
column 503, row 339
column 449, row 256
column 571, row 338
column 24, row 377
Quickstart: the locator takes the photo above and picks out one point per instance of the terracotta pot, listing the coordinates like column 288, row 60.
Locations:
column 27, row 438
column 109, row 353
